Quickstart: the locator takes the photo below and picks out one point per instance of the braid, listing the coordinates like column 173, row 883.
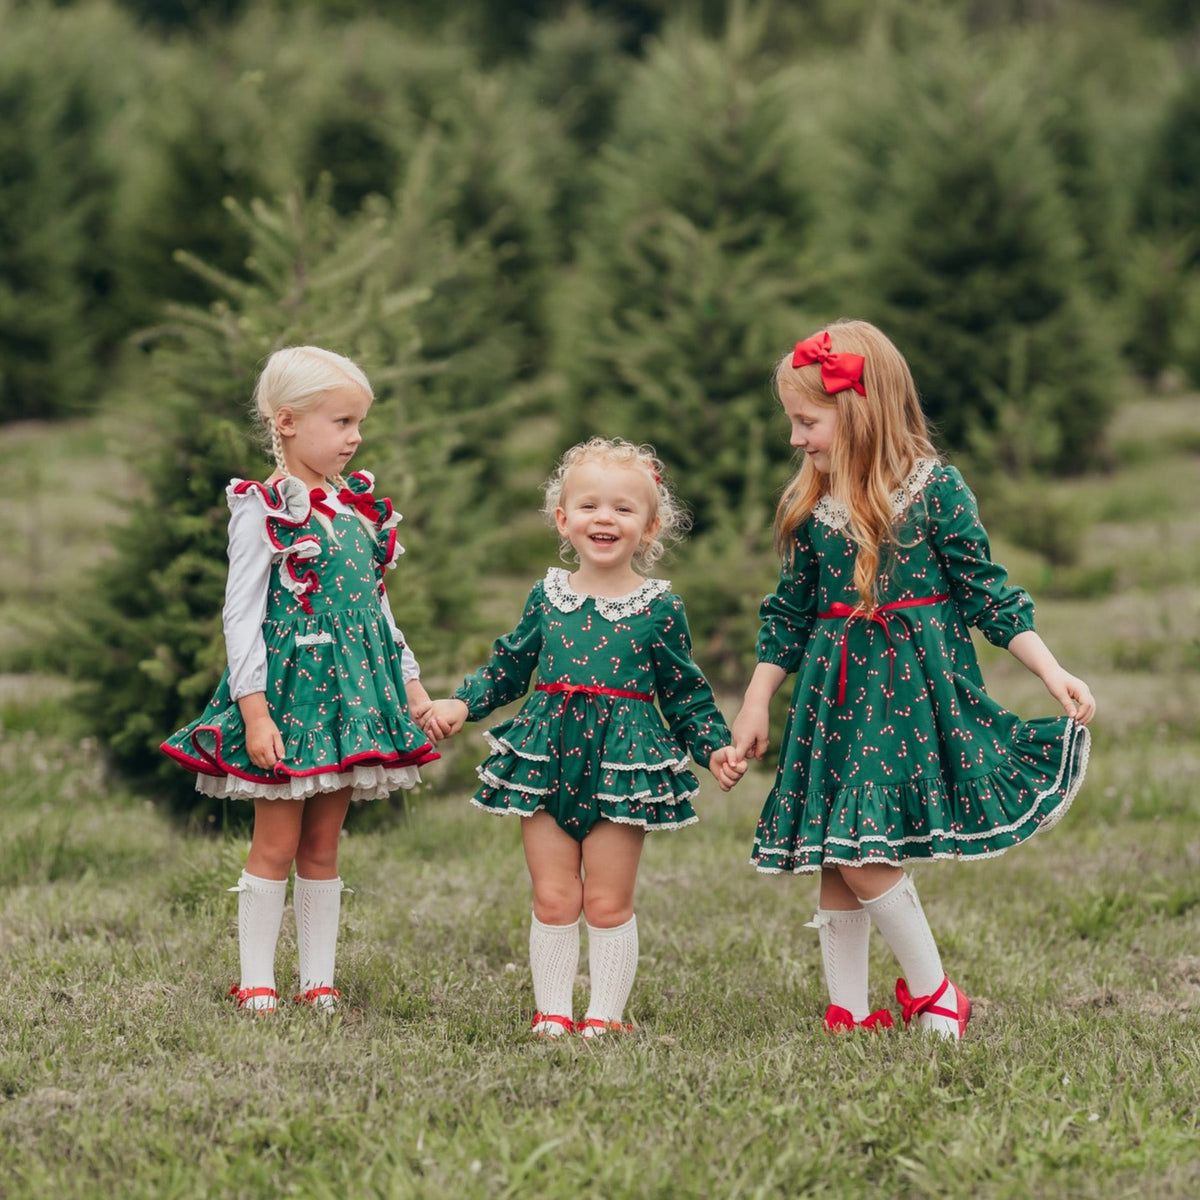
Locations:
column 277, row 448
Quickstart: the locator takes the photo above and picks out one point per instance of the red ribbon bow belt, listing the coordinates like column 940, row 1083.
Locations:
column 877, row 616
column 588, row 689
column 838, row 371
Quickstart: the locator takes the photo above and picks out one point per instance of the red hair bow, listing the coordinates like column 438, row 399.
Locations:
column 838, row 371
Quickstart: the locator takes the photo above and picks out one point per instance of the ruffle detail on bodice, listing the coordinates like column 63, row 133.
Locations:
column 287, row 507
column 379, row 511
column 835, row 515
column 613, row 608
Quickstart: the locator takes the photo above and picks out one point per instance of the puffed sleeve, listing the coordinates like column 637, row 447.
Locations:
column 250, row 557
column 684, row 695
column 787, row 614
column 507, row 673
column 979, row 587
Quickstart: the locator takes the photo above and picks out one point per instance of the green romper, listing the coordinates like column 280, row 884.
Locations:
column 589, row 744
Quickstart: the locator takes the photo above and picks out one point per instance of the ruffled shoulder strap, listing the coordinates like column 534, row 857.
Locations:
column 359, row 495
column 286, row 500
column 286, row 506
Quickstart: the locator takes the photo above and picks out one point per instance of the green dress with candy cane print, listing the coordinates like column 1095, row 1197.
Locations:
column 589, row 743
column 892, row 750
column 333, row 676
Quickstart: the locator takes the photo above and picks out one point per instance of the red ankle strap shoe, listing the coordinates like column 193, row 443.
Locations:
column 913, row 1006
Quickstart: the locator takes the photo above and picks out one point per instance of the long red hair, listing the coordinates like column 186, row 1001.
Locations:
column 879, row 438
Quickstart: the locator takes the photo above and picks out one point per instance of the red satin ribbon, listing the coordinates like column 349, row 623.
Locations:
column 838, row 371
column 317, row 498
column 913, row 1006
column 877, row 616
column 588, row 689
column 363, row 501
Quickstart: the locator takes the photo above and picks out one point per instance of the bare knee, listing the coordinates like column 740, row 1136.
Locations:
column 607, row 908
column 558, row 901
column 871, row 881
column 317, row 858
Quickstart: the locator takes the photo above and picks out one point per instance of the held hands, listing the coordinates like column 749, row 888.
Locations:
column 751, row 731
column 727, row 767
column 443, row 718
column 418, row 700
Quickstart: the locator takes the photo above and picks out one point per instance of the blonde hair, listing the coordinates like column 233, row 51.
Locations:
column 879, row 438
column 297, row 377
column 673, row 519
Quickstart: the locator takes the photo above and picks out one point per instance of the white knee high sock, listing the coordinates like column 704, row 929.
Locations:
column 318, row 905
column 845, row 938
column 260, row 913
column 899, row 917
column 553, row 960
column 612, row 963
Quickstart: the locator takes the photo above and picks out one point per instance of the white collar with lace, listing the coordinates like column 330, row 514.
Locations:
column 836, row 515
column 561, row 596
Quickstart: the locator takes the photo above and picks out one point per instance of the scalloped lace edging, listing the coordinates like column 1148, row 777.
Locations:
column 835, row 515
column 613, row 608
column 366, row 783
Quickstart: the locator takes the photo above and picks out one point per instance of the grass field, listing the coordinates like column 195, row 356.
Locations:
column 124, row 1070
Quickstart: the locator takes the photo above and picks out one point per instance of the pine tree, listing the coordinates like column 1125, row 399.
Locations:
column 970, row 260
column 689, row 265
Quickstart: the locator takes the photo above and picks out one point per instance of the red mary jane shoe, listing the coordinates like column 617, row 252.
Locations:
column 838, row 1019
column 913, row 1006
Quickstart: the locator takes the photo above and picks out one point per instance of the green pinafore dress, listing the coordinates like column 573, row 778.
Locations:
column 333, row 667
column 893, row 752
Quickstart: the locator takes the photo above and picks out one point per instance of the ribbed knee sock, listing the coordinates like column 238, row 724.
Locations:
column 553, row 961
column 900, row 919
column 612, row 964
column 260, row 913
column 318, row 905
column 845, row 940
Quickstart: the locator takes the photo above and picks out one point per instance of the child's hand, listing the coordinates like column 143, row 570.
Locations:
column 264, row 743
column 1073, row 694
column 727, row 767
column 751, row 732
column 418, row 700
column 444, row 718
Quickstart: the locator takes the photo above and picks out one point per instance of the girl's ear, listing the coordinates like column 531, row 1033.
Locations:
column 285, row 422
column 560, row 522
column 651, row 530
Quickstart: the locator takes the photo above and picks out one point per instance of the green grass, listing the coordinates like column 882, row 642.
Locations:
column 125, row 1071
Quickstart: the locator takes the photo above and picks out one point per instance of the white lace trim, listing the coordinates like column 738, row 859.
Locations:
column 665, row 827
column 503, row 746
column 614, row 608
column 836, row 515
column 368, row 783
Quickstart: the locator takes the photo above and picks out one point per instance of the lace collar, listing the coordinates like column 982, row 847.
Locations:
column 560, row 595
column 835, row 515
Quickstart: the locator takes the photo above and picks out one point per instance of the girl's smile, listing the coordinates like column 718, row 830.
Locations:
column 814, row 426
column 606, row 514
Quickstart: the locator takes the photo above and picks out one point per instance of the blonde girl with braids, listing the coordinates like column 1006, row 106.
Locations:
column 319, row 703
column 590, row 764
column 892, row 752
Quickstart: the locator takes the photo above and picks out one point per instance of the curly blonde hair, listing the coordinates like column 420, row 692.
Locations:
column 673, row 519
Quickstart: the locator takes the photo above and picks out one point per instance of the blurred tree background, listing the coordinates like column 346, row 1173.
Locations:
column 535, row 221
